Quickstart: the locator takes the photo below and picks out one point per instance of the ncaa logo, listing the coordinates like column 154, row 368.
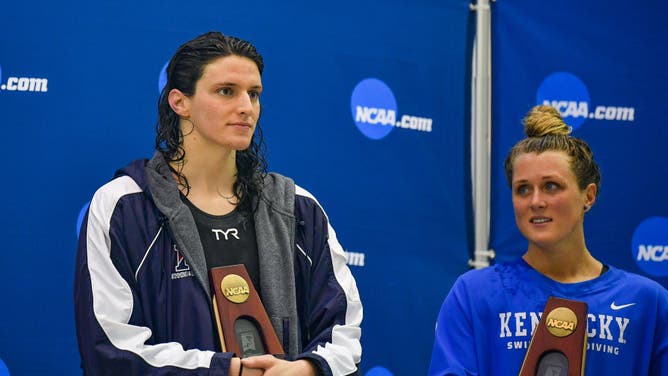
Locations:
column 374, row 108
column 162, row 77
column 80, row 218
column 24, row 84
column 374, row 111
column 4, row 371
column 379, row 371
column 649, row 246
column 568, row 94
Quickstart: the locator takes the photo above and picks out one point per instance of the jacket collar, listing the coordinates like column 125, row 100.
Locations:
column 275, row 235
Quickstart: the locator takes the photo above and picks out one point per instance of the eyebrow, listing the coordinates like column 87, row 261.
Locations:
column 548, row 177
column 235, row 84
column 518, row 182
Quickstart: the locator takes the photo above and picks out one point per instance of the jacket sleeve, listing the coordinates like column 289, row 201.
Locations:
column 110, row 331
column 331, row 306
column 659, row 361
column 454, row 347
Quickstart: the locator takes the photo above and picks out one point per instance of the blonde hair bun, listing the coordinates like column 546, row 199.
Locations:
column 543, row 120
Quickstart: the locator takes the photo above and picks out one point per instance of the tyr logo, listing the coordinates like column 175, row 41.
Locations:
column 226, row 233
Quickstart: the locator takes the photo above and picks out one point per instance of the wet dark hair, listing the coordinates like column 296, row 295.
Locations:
column 183, row 71
column 547, row 131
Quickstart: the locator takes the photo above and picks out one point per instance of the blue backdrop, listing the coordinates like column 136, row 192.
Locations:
column 79, row 85
column 603, row 64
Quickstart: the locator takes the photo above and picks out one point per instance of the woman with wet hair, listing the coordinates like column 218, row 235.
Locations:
column 487, row 320
column 151, row 235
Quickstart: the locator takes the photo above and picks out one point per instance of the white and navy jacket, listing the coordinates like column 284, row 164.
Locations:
column 142, row 297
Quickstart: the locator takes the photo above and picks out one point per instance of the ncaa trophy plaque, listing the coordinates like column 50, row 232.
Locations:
column 243, row 325
column 559, row 344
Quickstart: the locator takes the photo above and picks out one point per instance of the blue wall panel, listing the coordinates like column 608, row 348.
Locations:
column 603, row 64
column 397, row 203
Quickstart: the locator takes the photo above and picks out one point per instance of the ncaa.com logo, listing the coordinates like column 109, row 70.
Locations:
column 649, row 246
column 374, row 111
column 568, row 94
column 23, row 84
column 355, row 258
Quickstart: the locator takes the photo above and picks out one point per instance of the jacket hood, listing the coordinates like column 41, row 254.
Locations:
column 278, row 192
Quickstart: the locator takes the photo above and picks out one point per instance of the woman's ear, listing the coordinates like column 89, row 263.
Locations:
column 179, row 103
column 590, row 196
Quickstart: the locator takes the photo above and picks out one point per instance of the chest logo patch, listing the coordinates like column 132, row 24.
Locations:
column 181, row 267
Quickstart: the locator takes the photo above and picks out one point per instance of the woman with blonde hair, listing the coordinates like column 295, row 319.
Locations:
column 487, row 320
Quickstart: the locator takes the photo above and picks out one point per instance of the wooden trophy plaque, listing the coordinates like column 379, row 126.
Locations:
column 243, row 325
column 559, row 343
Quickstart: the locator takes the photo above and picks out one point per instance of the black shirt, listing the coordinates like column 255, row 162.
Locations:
column 228, row 240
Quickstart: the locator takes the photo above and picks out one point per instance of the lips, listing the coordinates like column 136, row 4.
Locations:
column 540, row 220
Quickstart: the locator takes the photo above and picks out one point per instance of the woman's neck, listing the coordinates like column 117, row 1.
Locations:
column 210, row 181
column 564, row 265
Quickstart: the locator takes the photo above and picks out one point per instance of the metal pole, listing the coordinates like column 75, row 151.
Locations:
column 480, row 134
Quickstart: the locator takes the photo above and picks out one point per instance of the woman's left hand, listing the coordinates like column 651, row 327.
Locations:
column 273, row 366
